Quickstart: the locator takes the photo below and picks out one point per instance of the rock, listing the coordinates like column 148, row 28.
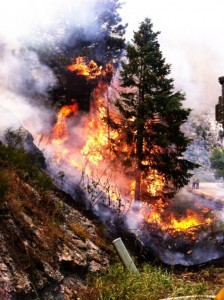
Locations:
column 94, row 266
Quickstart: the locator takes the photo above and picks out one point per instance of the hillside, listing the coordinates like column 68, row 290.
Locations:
column 50, row 245
column 47, row 247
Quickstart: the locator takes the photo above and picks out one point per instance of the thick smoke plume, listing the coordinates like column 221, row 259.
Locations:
column 191, row 40
column 23, row 85
column 24, row 80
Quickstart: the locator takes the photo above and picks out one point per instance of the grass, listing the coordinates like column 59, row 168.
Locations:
column 153, row 283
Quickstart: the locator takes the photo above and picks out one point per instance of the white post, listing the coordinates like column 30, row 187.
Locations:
column 124, row 256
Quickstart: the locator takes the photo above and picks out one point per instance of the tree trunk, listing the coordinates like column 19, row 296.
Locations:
column 139, row 145
column 138, row 185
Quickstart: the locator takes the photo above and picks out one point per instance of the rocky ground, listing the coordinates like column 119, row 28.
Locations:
column 47, row 247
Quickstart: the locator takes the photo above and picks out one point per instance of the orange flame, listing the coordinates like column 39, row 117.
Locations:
column 189, row 224
column 59, row 133
column 90, row 70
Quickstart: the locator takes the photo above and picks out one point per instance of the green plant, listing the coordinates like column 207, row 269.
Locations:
column 217, row 162
column 153, row 283
column 149, row 138
column 15, row 138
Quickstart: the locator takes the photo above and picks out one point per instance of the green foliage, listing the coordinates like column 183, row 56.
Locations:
column 153, row 283
column 152, row 115
column 217, row 162
column 43, row 181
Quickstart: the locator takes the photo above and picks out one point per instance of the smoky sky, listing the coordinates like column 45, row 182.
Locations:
column 191, row 40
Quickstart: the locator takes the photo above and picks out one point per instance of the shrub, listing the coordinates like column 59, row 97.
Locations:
column 23, row 163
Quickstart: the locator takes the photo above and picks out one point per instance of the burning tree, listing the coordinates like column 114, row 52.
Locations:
column 104, row 43
column 107, row 43
column 150, row 142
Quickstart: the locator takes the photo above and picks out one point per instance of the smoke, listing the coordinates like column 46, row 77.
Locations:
column 18, row 19
column 191, row 40
column 22, row 86
column 24, row 80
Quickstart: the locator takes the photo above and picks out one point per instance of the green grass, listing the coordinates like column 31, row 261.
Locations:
column 153, row 283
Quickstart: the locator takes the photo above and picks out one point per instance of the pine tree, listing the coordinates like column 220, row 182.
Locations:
column 152, row 115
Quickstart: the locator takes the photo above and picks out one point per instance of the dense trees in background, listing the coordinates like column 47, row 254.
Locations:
column 217, row 162
column 152, row 114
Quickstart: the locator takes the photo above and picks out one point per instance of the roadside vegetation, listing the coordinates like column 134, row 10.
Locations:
column 217, row 162
column 153, row 283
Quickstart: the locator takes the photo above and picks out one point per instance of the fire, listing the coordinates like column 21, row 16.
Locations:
column 90, row 70
column 96, row 152
column 164, row 219
column 59, row 133
column 191, row 220
column 94, row 156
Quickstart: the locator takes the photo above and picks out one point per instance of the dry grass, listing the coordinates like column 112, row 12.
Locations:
column 79, row 230
column 37, row 220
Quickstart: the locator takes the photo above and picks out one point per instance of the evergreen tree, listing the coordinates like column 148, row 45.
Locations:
column 152, row 115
